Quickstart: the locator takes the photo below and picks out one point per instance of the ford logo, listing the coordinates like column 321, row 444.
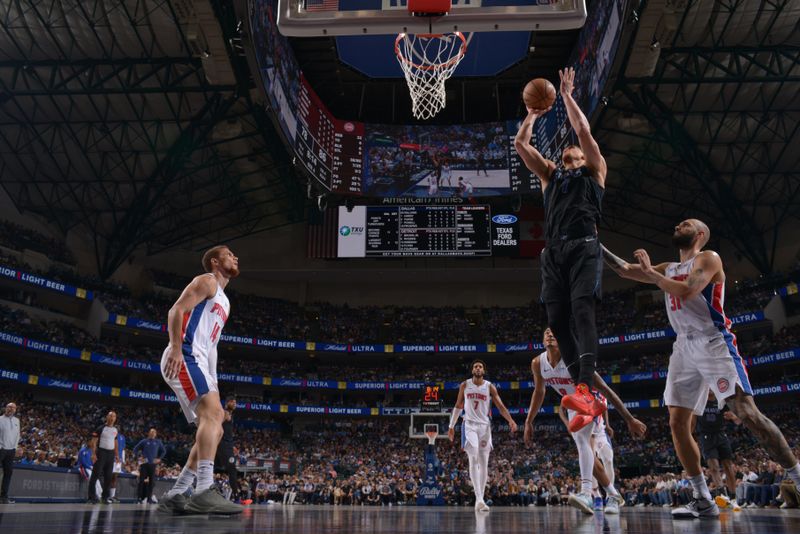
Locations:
column 504, row 219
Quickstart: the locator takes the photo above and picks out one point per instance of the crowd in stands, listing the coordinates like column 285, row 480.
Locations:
column 21, row 238
column 67, row 334
column 374, row 462
column 624, row 311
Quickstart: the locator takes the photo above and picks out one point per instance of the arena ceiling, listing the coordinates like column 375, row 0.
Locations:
column 140, row 121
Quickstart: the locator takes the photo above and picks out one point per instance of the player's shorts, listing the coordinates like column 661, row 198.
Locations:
column 196, row 378
column 716, row 447
column 476, row 437
column 701, row 362
column 571, row 269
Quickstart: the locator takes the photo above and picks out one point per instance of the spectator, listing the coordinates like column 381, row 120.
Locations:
column 153, row 451
column 9, row 440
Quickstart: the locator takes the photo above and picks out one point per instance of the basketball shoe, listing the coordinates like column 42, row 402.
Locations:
column 583, row 402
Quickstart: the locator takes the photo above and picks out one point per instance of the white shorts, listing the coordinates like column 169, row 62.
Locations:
column 197, row 377
column 700, row 363
column 476, row 437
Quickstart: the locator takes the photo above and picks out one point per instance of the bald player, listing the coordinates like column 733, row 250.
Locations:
column 705, row 355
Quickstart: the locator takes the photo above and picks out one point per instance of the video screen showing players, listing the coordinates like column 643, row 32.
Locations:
column 467, row 160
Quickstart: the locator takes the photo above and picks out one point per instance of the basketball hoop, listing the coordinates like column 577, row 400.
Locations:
column 432, row 431
column 428, row 60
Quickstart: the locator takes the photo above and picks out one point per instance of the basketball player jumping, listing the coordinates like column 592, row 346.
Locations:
column 571, row 261
column 475, row 397
column 189, row 366
column 549, row 369
column 705, row 355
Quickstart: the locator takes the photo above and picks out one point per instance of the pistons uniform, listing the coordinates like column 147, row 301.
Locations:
column 705, row 354
column 602, row 446
column 559, row 379
column 476, row 434
column 202, row 328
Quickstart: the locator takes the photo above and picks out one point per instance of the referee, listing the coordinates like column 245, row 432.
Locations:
column 716, row 449
column 572, row 262
column 9, row 439
column 225, row 459
column 105, row 451
column 153, row 451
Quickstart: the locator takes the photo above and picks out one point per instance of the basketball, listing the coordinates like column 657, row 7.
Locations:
column 539, row 94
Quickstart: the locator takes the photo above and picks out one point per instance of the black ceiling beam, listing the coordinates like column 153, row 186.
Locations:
column 132, row 229
column 745, row 234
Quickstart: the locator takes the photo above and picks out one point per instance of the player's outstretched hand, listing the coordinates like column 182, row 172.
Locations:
column 643, row 258
column 513, row 426
column 637, row 428
column 527, row 435
column 567, row 80
column 451, row 434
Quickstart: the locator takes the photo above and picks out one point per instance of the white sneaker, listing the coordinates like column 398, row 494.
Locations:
column 582, row 502
column 483, row 507
column 735, row 506
column 615, row 502
column 153, row 499
column 142, row 501
column 696, row 508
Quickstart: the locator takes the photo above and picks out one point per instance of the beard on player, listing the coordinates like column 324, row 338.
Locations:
column 683, row 241
column 478, row 369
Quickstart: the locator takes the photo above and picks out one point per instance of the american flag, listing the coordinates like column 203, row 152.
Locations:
column 322, row 5
column 323, row 234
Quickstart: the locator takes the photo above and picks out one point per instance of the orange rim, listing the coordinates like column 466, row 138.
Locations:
column 461, row 50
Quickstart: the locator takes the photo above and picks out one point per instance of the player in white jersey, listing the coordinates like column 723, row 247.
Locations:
column 446, row 173
column 705, row 355
column 549, row 369
column 475, row 397
column 433, row 185
column 189, row 366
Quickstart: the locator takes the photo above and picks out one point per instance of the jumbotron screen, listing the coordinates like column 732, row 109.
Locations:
column 425, row 231
column 350, row 157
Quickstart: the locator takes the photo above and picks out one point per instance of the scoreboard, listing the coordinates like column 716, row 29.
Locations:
column 330, row 149
column 420, row 231
column 427, row 231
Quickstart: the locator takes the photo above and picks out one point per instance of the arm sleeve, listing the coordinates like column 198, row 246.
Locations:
column 454, row 415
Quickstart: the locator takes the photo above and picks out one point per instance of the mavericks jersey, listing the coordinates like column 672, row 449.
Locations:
column 202, row 327
column 703, row 314
column 557, row 377
column 477, row 403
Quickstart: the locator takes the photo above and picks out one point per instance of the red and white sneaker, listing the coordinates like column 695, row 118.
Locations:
column 579, row 421
column 583, row 402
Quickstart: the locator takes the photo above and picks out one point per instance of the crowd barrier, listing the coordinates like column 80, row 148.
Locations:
column 10, row 338
column 125, row 393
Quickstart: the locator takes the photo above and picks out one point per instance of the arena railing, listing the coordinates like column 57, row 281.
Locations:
column 125, row 393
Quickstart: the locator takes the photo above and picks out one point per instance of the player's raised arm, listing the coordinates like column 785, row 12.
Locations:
column 707, row 265
column 537, row 399
column 456, row 413
column 594, row 159
column 636, row 427
column 631, row 271
column 201, row 288
column 533, row 159
column 502, row 407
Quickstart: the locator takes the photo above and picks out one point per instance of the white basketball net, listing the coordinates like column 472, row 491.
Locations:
column 428, row 60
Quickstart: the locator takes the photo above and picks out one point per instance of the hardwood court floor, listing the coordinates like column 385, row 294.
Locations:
column 131, row 518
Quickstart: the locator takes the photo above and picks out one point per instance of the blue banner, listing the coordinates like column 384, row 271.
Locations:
column 460, row 348
column 57, row 383
column 53, row 285
column 10, row 338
